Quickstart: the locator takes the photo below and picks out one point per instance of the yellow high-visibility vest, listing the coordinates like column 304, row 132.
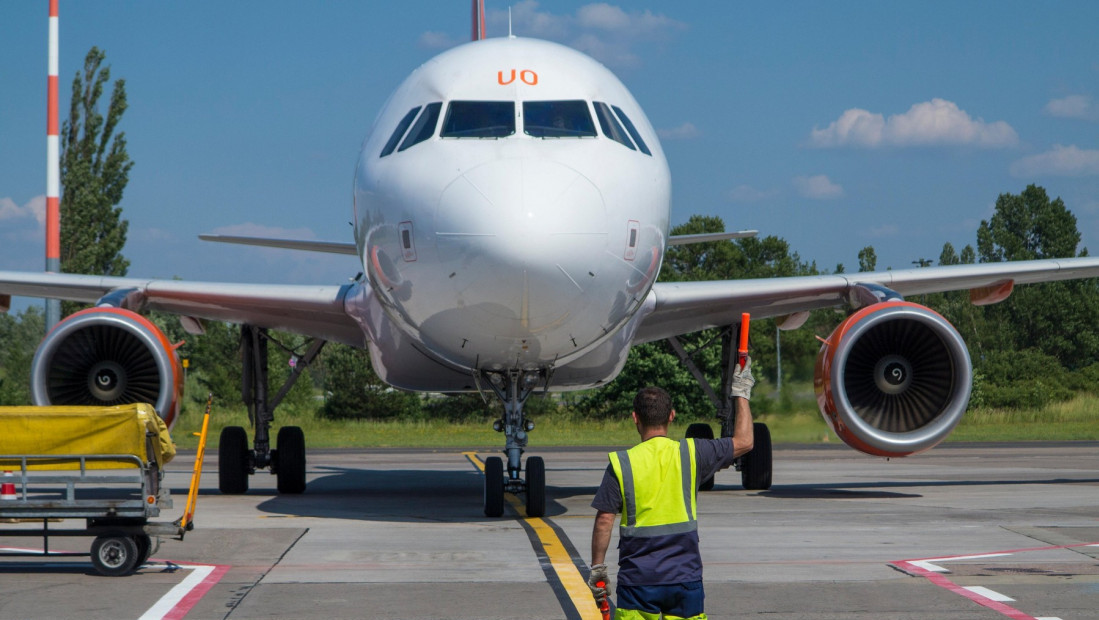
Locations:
column 657, row 478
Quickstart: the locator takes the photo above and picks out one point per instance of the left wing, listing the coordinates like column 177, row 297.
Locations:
column 316, row 311
column 683, row 307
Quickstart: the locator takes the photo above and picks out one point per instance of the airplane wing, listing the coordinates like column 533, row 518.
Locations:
column 316, row 311
column 683, row 307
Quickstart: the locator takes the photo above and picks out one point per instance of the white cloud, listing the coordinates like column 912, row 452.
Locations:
column 686, row 131
column 1067, row 161
column 437, row 40
column 34, row 209
column 747, row 193
column 818, row 187
column 885, row 230
column 932, row 123
column 1081, row 107
column 605, row 32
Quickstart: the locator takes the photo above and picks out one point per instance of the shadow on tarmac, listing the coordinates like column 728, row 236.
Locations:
column 396, row 496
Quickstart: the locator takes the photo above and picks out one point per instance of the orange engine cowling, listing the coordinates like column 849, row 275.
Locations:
column 893, row 379
column 105, row 357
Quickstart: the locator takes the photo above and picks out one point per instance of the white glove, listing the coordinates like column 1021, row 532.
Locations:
column 598, row 574
column 743, row 380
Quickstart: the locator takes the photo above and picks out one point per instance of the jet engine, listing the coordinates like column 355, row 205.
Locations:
column 893, row 379
column 107, row 356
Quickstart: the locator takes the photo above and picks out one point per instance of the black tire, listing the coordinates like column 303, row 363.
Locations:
column 536, row 487
column 114, row 555
column 701, row 430
column 290, row 467
column 755, row 467
column 144, row 548
column 494, row 486
column 233, row 461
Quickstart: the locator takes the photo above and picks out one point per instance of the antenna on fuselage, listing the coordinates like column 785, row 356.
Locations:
column 510, row 36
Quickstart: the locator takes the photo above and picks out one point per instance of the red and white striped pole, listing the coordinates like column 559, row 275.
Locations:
column 53, row 172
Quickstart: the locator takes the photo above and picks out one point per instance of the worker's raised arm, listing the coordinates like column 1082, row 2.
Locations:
column 743, row 433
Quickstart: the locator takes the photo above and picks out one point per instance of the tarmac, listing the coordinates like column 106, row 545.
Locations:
column 962, row 532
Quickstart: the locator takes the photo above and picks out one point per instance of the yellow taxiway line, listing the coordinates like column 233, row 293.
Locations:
column 575, row 585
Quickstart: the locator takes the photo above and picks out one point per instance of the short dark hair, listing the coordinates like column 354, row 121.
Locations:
column 653, row 407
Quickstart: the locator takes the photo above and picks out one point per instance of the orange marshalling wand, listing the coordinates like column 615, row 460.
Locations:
column 742, row 350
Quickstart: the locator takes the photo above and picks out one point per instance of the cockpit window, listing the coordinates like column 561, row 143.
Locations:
column 557, row 119
column 398, row 133
column 610, row 126
column 424, row 127
column 479, row 119
column 633, row 130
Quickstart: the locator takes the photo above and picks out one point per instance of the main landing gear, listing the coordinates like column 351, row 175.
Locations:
column 754, row 467
column 235, row 460
column 513, row 388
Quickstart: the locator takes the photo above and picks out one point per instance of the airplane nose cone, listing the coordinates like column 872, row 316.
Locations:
column 524, row 238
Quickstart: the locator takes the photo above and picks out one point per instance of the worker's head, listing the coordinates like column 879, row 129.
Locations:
column 652, row 408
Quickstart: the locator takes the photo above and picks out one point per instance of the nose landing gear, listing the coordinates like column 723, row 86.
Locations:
column 513, row 388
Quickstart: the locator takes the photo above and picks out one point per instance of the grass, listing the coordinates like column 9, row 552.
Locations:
column 1077, row 419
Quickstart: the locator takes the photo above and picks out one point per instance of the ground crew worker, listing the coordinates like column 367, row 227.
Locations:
column 654, row 486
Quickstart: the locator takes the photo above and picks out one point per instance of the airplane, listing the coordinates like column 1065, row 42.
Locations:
column 511, row 214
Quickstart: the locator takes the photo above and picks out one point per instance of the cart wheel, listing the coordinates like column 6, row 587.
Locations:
column 114, row 555
column 144, row 548
column 291, row 460
column 701, row 430
column 233, row 461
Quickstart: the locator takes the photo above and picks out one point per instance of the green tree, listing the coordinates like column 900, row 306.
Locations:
column 353, row 390
column 868, row 259
column 19, row 338
column 94, row 172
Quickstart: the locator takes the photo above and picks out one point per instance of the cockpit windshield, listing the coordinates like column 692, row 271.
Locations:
column 557, row 119
column 479, row 119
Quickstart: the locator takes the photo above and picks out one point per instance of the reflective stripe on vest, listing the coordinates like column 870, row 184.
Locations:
column 657, row 478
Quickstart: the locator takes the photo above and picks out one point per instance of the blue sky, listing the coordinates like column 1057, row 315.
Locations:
column 832, row 125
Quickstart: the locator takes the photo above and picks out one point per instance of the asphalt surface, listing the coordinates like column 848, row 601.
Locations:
column 962, row 532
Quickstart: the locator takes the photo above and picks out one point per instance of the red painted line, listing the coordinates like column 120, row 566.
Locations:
column 942, row 581
column 195, row 595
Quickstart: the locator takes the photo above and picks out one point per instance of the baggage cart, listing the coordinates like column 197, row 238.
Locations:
column 100, row 464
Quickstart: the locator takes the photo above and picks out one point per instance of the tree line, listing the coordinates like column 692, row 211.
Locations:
column 1037, row 347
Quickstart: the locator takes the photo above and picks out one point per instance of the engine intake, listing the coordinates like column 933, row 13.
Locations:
column 893, row 379
column 107, row 356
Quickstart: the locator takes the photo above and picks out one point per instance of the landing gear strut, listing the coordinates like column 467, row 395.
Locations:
column 754, row 467
column 513, row 387
column 235, row 461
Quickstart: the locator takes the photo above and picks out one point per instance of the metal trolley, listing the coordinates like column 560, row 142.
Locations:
column 116, row 495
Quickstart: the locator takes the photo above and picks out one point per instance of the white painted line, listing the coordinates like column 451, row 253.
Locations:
column 1053, row 617
column 991, row 595
column 179, row 600
column 929, row 564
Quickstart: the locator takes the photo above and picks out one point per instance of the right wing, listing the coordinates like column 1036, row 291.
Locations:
column 683, row 307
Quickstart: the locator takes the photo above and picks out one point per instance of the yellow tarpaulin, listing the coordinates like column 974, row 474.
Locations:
column 83, row 430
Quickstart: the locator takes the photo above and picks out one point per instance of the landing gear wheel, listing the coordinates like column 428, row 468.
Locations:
column 114, row 555
column 494, row 486
column 536, row 487
column 144, row 548
column 701, row 430
column 755, row 467
column 233, row 461
column 291, row 460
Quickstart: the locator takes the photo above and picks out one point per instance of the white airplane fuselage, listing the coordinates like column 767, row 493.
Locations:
column 511, row 209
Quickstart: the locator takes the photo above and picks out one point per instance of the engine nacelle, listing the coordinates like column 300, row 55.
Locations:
column 102, row 357
column 893, row 379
